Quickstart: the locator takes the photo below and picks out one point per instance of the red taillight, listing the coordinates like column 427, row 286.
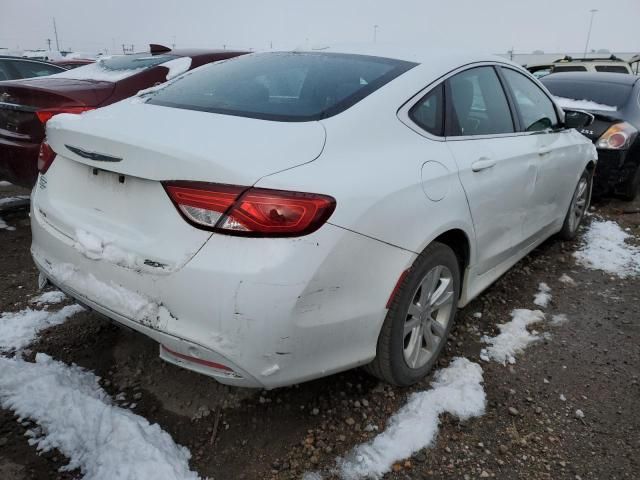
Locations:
column 45, row 115
column 45, row 157
column 255, row 212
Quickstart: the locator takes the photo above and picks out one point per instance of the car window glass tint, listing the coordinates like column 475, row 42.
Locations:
column 478, row 104
column 5, row 71
column 612, row 68
column 574, row 68
column 281, row 86
column 428, row 112
column 536, row 109
column 35, row 69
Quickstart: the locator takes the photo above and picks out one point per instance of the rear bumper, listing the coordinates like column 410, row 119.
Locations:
column 273, row 311
column 613, row 170
column 19, row 162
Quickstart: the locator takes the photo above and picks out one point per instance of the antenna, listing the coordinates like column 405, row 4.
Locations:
column 55, row 31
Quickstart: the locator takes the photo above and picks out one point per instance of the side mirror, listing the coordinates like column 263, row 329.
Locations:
column 577, row 119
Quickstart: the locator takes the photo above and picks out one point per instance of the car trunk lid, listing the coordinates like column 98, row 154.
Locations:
column 104, row 189
column 20, row 100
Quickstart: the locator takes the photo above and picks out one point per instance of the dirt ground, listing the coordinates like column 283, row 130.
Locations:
column 527, row 432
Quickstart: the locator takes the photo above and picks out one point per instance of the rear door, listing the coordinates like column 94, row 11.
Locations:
column 494, row 163
column 551, row 150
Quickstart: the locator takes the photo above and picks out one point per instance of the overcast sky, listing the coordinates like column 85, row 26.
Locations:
column 556, row 26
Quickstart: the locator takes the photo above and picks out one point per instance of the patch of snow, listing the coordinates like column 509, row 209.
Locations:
column 559, row 319
column 579, row 413
column 543, row 297
column 115, row 297
column 4, row 226
column 76, row 417
column 96, row 248
column 177, row 66
column 567, row 280
column 49, row 298
column 97, row 72
column 605, row 248
column 573, row 104
column 477, row 315
column 456, row 389
column 513, row 338
column 563, row 398
column 19, row 329
column 4, row 183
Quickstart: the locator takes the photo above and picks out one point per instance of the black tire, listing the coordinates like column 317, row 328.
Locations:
column 390, row 364
column 630, row 189
column 569, row 227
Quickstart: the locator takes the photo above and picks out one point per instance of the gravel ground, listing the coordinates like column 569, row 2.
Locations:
column 529, row 431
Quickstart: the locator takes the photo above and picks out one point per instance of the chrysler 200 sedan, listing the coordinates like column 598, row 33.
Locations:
column 279, row 217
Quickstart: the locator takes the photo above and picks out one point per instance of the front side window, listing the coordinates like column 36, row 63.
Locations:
column 478, row 105
column 428, row 113
column 536, row 109
column 283, row 86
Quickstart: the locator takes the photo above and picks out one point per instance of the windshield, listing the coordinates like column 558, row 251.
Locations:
column 118, row 67
column 286, row 86
column 614, row 96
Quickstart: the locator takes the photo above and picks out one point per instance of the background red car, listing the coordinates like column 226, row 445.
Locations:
column 27, row 105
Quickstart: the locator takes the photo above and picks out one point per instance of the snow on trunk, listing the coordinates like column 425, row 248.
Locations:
column 456, row 389
column 513, row 338
column 19, row 329
column 75, row 416
column 605, row 248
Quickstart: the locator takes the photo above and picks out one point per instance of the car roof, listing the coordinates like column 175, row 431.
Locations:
column 412, row 53
column 24, row 59
column 595, row 77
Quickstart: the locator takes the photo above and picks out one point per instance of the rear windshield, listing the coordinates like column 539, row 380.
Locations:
column 118, row 67
column 610, row 94
column 284, row 86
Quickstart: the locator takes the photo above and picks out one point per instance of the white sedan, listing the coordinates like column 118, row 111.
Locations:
column 283, row 216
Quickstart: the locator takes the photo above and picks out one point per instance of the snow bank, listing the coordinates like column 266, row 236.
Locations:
column 605, row 248
column 177, row 66
column 543, row 297
column 573, row 104
column 19, row 329
column 49, row 298
column 76, row 417
column 513, row 338
column 115, row 297
column 456, row 389
column 96, row 248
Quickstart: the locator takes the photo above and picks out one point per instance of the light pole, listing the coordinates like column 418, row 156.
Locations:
column 586, row 46
column 375, row 33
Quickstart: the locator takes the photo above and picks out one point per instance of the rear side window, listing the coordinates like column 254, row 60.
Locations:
column 28, row 69
column 612, row 68
column 603, row 93
column 536, row 109
column 428, row 113
column 478, row 105
column 284, row 86
column 569, row 68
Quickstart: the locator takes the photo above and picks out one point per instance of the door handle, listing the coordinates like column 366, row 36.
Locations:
column 544, row 151
column 482, row 164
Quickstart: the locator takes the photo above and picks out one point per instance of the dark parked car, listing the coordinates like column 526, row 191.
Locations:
column 27, row 105
column 613, row 99
column 14, row 68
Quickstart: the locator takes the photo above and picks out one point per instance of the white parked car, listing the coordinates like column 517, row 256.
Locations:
column 283, row 216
